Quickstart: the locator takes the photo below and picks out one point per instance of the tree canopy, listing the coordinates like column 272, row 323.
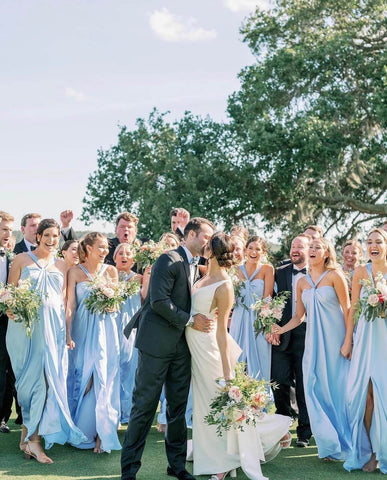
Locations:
column 311, row 111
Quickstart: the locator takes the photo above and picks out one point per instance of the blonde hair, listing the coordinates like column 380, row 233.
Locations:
column 122, row 245
column 6, row 217
column 331, row 260
column 88, row 239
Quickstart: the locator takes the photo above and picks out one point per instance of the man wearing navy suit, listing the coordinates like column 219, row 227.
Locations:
column 29, row 226
column 164, row 357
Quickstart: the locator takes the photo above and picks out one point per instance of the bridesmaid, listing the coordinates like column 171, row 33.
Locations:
column 69, row 252
column 367, row 382
column 40, row 362
column 323, row 295
column 123, row 258
column 258, row 282
column 352, row 256
column 94, row 381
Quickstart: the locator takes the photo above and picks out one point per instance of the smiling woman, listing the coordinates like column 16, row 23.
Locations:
column 40, row 361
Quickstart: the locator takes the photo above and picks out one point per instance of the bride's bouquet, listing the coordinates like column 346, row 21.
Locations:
column 268, row 312
column 106, row 296
column 23, row 302
column 241, row 401
column 373, row 302
column 147, row 253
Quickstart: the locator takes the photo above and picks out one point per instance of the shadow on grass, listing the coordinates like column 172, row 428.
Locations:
column 73, row 464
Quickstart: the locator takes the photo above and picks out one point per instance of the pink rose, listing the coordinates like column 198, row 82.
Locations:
column 265, row 311
column 235, row 394
column 5, row 297
column 277, row 313
column 108, row 292
column 373, row 300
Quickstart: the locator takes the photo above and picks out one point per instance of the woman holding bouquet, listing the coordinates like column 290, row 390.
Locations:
column 367, row 382
column 124, row 260
column 323, row 295
column 257, row 282
column 40, row 361
column 92, row 336
column 214, row 355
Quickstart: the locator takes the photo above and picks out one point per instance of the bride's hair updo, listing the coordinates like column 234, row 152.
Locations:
column 222, row 248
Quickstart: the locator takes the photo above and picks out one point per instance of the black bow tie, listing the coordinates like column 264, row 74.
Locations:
column 2, row 252
column 32, row 248
column 295, row 271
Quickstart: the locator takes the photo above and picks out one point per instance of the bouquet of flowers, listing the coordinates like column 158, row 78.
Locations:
column 147, row 253
column 241, row 400
column 23, row 302
column 237, row 284
column 106, row 296
column 374, row 301
column 269, row 311
column 129, row 287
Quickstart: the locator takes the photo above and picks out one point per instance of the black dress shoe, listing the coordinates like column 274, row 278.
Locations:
column 183, row 475
column 19, row 420
column 4, row 428
column 302, row 442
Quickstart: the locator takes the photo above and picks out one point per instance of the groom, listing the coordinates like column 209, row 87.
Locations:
column 164, row 358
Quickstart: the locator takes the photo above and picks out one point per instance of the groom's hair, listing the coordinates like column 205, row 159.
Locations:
column 195, row 224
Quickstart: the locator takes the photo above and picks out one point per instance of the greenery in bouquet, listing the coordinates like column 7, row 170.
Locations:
column 106, row 296
column 238, row 285
column 241, row 401
column 129, row 286
column 268, row 312
column 23, row 302
column 147, row 253
column 373, row 301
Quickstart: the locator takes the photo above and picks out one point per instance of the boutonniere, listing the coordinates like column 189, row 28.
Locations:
column 7, row 253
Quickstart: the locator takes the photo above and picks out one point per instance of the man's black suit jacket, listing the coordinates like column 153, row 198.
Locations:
column 283, row 279
column 20, row 247
column 162, row 319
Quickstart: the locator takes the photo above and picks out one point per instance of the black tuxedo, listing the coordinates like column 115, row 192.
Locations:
column 164, row 358
column 286, row 362
column 7, row 378
column 20, row 247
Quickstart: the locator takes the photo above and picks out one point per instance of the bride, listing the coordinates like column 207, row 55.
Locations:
column 214, row 355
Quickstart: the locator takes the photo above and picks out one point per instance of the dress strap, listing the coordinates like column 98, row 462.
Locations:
column 85, row 272
column 36, row 260
column 254, row 273
column 243, row 270
column 369, row 270
column 102, row 270
column 129, row 276
column 310, row 281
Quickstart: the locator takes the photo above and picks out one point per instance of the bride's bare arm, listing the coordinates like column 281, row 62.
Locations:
column 224, row 297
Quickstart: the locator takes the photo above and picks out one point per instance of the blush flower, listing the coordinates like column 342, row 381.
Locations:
column 235, row 394
column 373, row 300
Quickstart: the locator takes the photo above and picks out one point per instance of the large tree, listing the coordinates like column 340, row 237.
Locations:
column 311, row 111
column 191, row 163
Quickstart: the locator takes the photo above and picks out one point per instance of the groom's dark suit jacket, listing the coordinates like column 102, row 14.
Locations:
column 162, row 319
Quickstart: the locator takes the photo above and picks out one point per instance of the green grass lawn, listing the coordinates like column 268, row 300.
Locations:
column 72, row 464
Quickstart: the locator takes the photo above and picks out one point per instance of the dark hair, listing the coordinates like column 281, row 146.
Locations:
column 67, row 244
column 222, row 248
column 28, row 216
column 175, row 211
column 44, row 224
column 195, row 224
column 88, row 239
column 260, row 241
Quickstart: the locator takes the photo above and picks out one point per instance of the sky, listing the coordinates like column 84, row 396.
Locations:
column 72, row 71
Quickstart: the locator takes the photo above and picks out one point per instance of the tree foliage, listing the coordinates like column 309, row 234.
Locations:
column 311, row 111
column 191, row 163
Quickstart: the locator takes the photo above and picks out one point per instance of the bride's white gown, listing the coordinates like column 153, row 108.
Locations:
column 213, row 454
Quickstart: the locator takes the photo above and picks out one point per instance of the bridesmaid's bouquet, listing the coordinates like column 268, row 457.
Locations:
column 268, row 312
column 241, row 401
column 237, row 284
column 106, row 296
column 147, row 253
column 129, row 287
column 374, row 301
column 23, row 302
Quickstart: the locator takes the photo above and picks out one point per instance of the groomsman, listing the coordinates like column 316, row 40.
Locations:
column 286, row 364
column 7, row 378
column 29, row 226
column 126, row 232
column 66, row 229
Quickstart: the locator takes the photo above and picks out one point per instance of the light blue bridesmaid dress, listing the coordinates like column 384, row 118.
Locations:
column 256, row 351
column 40, row 363
column 325, row 370
column 94, row 378
column 368, row 363
column 128, row 352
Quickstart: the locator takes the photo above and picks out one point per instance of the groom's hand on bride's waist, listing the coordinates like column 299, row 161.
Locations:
column 202, row 323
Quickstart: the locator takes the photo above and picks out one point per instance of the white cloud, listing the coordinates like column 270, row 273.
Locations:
column 77, row 96
column 247, row 5
column 173, row 28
